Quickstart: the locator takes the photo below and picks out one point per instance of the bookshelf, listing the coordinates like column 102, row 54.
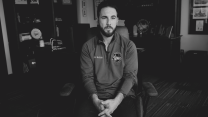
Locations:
column 32, row 23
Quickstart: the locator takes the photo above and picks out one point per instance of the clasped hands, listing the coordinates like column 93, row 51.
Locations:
column 107, row 107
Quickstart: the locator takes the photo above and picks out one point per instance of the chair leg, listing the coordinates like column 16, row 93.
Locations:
column 145, row 103
column 140, row 108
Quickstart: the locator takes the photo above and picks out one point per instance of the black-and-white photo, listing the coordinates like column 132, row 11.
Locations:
column 34, row 2
column 200, row 3
column 200, row 13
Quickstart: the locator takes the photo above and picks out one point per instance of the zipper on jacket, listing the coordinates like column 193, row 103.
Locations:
column 106, row 52
column 107, row 56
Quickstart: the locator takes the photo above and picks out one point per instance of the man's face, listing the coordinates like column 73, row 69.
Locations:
column 108, row 21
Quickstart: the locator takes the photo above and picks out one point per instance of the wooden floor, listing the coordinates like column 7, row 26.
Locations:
column 177, row 98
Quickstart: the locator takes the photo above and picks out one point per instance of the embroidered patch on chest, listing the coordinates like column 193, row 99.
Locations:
column 117, row 57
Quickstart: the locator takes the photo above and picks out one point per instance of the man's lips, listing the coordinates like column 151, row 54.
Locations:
column 108, row 28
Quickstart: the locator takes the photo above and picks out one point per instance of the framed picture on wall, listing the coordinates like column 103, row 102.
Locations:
column 67, row 2
column 198, row 17
column 200, row 13
column 200, row 3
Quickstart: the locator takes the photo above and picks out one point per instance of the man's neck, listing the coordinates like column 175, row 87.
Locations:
column 107, row 40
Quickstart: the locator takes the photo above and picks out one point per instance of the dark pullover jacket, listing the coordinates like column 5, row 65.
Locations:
column 106, row 73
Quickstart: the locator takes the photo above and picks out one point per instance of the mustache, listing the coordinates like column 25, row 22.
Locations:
column 108, row 27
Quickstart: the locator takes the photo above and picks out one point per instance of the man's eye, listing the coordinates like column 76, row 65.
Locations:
column 103, row 17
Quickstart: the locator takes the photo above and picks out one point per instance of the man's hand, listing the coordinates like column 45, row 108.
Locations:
column 105, row 113
column 110, row 105
column 97, row 102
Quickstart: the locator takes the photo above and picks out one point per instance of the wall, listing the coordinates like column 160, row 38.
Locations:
column 190, row 41
column 90, row 14
column 5, row 38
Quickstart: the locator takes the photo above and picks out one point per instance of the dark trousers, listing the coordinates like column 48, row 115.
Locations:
column 127, row 108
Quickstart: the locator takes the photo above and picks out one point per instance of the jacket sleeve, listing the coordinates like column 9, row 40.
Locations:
column 86, row 64
column 130, row 69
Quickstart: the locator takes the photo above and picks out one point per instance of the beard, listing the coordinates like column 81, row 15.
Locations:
column 108, row 33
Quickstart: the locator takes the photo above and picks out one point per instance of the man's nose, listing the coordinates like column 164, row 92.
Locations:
column 108, row 22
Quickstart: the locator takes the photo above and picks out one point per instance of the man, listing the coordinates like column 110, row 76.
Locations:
column 109, row 69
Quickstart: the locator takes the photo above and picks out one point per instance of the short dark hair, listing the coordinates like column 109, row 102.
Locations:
column 106, row 3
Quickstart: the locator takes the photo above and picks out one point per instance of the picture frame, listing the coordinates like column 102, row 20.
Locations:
column 20, row 1
column 34, row 1
column 67, row 2
column 198, row 17
column 200, row 13
column 84, row 8
column 200, row 2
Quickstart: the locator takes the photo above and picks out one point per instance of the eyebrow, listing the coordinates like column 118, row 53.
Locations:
column 111, row 16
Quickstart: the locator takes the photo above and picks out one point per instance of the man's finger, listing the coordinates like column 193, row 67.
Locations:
column 102, row 107
column 105, row 102
column 108, row 114
column 103, row 112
